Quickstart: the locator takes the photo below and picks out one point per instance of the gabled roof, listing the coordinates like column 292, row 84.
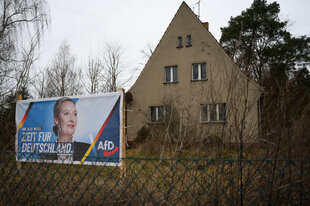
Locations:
column 185, row 7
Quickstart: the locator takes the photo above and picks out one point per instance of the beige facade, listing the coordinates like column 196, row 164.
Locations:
column 190, row 71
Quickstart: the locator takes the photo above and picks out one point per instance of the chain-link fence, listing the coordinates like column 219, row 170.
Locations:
column 156, row 182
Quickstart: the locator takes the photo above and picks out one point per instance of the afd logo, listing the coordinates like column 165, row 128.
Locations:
column 108, row 147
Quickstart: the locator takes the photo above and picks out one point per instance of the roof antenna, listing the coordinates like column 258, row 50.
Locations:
column 198, row 9
column 194, row 5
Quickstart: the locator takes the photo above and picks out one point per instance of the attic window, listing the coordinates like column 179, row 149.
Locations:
column 189, row 41
column 180, row 43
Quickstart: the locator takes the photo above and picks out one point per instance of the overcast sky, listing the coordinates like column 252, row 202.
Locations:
column 86, row 25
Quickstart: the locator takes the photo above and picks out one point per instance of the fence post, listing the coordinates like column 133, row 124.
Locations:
column 18, row 163
column 123, row 167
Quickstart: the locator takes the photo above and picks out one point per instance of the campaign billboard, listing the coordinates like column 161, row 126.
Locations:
column 71, row 130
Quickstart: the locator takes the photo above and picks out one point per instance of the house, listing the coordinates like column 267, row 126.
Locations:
column 190, row 72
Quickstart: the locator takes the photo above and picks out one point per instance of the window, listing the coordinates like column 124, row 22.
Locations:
column 222, row 112
column 157, row 113
column 189, row 41
column 171, row 74
column 199, row 71
column 180, row 43
column 213, row 112
column 204, row 113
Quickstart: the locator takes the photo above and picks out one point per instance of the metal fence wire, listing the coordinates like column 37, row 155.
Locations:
column 156, row 182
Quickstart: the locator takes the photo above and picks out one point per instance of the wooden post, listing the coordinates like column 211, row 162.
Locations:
column 19, row 97
column 19, row 164
column 123, row 167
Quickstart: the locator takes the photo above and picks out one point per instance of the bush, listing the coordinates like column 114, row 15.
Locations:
column 142, row 135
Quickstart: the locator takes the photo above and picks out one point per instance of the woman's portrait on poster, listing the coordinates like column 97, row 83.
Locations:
column 65, row 120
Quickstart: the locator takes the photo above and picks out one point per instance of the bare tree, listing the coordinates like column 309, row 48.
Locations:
column 29, row 56
column 22, row 25
column 113, row 67
column 63, row 78
column 39, row 84
column 147, row 51
column 93, row 72
column 17, row 17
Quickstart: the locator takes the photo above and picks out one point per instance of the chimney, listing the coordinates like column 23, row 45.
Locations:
column 206, row 25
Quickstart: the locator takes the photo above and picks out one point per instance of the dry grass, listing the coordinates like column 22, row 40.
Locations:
column 156, row 182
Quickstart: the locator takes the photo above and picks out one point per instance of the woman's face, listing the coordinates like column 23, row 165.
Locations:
column 67, row 119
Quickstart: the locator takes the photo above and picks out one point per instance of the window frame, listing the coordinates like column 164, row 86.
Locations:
column 173, row 74
column 206, row 111
column 179, row 42
column 159, row 118
column 189, row 40
column 200, row 71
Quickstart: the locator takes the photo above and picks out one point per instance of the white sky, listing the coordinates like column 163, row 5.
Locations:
column 86, row 25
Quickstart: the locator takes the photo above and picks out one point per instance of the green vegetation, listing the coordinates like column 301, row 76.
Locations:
column 265, row 50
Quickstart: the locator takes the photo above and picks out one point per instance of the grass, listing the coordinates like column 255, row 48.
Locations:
column 156, row 182
column 154, row 150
